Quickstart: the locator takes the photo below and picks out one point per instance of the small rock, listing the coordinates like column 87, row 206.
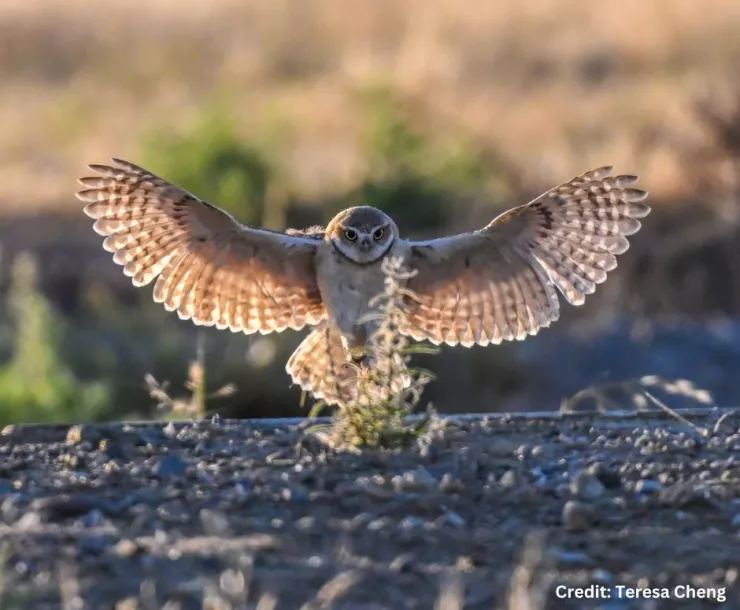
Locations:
column 13, row 506
column 509, row 479
column 169, row 466
column 151, row 436
column 449, row 484
column 602, row 577
column 585, row 486
column 545, row 452
column 411, row 522
column 83, row 432
column 608, row 477
column 30, row 520
column 129, row 603
column 215, row 523
column 453, row 519
column 306, row 523
column 422, row 476
column 500, row 446
column 92, row 519
column 113, row 450
column 648, row 486
column 402, row 562
column 126, row 548
column 736, row 521
column 573, row 559
column 413, row 480
column 378, row 524
column 577, row 516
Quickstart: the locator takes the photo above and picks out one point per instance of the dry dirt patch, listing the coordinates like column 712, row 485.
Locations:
column 495, row 511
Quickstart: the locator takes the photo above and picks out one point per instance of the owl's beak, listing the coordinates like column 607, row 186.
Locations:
column 365, row 244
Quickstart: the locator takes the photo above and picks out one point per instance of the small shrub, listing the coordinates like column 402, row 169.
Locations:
column 194, row 406
column 35, row 385
column 389, row 390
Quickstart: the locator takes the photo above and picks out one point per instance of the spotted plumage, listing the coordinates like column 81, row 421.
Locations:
column 495, row 284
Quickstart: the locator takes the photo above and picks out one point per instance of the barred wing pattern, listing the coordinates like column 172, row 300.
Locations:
column 499, row 283
column 209, row 268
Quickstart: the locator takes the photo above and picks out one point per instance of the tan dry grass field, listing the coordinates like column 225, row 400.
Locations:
column 555, row 86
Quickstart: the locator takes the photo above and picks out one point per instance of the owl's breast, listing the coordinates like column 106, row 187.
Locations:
column 347, row 289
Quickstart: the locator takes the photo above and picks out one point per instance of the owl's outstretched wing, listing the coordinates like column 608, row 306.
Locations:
column 499, row 283
column 209, row 268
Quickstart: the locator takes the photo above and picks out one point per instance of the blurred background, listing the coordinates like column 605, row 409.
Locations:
column 443, row 113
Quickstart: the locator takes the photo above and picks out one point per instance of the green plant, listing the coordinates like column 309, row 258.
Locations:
column 212, row 161
column 194, row 406
column 411, row 176
column 36, row 385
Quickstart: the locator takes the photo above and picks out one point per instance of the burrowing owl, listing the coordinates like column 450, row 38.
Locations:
column 494, row 284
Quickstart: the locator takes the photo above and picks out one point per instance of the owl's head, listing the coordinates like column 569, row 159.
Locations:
column 362, row 234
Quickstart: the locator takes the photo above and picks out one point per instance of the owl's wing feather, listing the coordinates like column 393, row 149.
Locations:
column 498, row 283
column 209, row 268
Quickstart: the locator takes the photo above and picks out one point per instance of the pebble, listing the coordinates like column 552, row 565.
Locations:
column 126, row 548
column 83, row 432
column 413, row 480
column 169, row 466
column 152, row 436
column 573, row 559
column 402, row 562
column 114, row 451
column 648, row 486
column 453, row 519
column 509, row 479
column 449, row 484
column 94, row 518
column 411, row 522
column 30, row 520
column 577, row 516
column 13, row 506
column 587, row 487
column 608, row 477
column 602, row 577
column 543, row 452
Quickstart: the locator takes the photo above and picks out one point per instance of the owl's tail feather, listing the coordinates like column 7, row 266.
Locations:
column 320, row 365
column 323, row 367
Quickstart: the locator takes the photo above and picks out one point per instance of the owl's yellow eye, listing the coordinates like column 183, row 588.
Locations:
column 378, row 234
column 350, row 234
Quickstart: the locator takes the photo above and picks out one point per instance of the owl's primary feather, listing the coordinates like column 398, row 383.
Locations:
column 499, row 283
column 208, row 267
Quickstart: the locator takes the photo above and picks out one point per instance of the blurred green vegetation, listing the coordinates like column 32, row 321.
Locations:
column 35, row 384
column 417, row 179
column 213, row 162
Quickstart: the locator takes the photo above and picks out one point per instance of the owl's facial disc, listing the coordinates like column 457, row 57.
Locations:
column 362, row 234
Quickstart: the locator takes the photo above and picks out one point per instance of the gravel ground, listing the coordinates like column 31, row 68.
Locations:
column 493, row 512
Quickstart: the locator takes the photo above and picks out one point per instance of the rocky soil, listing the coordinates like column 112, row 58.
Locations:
column 492, row 512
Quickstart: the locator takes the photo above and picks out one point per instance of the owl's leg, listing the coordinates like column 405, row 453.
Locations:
column 355, row 344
